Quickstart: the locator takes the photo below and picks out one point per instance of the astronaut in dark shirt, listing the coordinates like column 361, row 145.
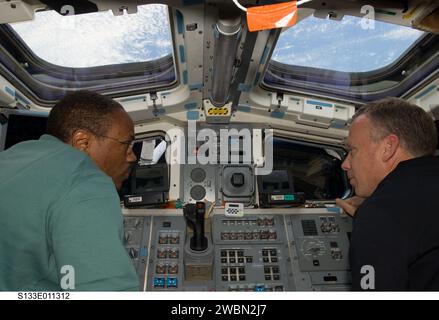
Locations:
column 390, row 165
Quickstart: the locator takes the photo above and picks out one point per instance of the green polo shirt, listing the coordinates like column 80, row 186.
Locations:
column 60, row 222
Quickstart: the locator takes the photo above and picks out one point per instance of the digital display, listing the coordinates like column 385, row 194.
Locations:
column 278, row 181
column 149, row 178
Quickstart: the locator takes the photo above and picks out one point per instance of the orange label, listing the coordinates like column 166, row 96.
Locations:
column 272, row 16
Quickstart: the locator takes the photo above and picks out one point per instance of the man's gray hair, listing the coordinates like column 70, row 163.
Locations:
column 414, row 127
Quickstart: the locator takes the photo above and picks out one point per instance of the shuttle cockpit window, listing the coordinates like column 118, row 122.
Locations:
column 100, row 51
column 352, row 57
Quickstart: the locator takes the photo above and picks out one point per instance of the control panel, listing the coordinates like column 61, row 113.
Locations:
column 260, row 252
column 250, row 253
column 136, row 240
column 320, row 251
column 165, row 269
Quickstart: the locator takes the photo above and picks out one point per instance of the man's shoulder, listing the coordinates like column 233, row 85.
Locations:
column 379, row 206
column 92, row 184
column 43, row 152
column 55, row 161
column 415, row 168
column 90, row 188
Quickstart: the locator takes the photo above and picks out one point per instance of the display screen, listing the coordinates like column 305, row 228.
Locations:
column 314, row 170
column 149, row 178
column 278, row 181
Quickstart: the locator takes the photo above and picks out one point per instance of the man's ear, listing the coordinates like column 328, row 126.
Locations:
column 391, row 145
column 81, row 140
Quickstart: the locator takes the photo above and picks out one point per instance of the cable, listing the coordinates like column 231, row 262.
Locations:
column 299, row 3
column 239, row 5
column 209, row 211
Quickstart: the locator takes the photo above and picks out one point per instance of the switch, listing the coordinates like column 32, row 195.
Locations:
column 160, row 268
column 159, row 282
column 173, row 268
column 137, row 223
column 333, row 244
column 171, row 282
column 174, row 238
column 173, row 253
column 162, row 254
column 166, row 224
column 133, row 253
column 128, row 236
column 163, row 239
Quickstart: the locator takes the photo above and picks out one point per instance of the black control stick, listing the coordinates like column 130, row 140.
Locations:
column 194, row 215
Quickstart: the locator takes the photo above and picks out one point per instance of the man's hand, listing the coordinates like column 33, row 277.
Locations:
column 350, row 205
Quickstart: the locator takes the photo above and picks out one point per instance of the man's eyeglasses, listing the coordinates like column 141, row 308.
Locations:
column 129, row 143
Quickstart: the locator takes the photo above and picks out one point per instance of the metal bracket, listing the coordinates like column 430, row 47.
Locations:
column 155, row 101
column 279, row 102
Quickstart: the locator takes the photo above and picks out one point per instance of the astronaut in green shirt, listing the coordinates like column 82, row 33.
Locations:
column 61, row 225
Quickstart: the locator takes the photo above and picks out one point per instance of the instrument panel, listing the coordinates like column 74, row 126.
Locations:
column 257, row 252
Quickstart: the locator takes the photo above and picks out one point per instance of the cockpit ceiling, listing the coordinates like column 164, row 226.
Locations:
column 416, row 13
column 138, row 49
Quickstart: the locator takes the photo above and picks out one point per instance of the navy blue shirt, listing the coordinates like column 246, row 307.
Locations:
column 396, row 230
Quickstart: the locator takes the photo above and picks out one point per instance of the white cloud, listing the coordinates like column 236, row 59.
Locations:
column 402, row 34
column 98, row 38
column 343, row 45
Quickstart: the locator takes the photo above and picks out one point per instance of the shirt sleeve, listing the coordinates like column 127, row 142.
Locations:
column 378, row 253
column 86, row 237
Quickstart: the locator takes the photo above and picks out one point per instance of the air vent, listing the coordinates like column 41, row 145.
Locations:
column 309, row 228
